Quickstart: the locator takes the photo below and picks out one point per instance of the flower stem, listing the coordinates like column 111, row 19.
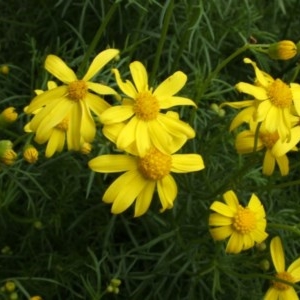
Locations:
column 162, row 39
column 98, row 36
column 291, row 228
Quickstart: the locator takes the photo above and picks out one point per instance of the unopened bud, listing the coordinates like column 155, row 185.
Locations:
column 30, row 154
column 283, row 50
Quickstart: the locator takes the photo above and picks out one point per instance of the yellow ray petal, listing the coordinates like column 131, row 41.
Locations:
column 257, row 92
column 221, row 233
column 216, row 219
column 283, row 164
column 235, row 243
column 116, row 114
column 128, row 134
column 88, row 127
column 231, row 200
column 171, row 85
column 272, row 294
column 222, row 209
column 74, row 125
column 294, row 270
column 248, row 242
column 256, row 206
column 139, row 76
column 277, row 254
column 295, row 89
column 143, row 200
column 126, row 87
column 56, row 142
column 268, row 164
column 142, row 138
column 245, row 116
column 101, row 89
column 168, row 102
column 183, row 163
column 58, row 68
column 113, row 163
column 167, row 192
column 96, row 104
column 99, row 62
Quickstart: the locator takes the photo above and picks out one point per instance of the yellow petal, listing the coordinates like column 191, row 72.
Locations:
column 96, row 104
column 222, row 209
column 272, row 294
column 128, row 193
column 221, row 233
column 56, row 142
column 231, row 200
column 74, row 126
column 116, row 114
column 167, row 192
column 248, row 242
column 294, row 270
column 183, row 163
column 258, row 234
column 283, row 164
column 143, row 200
column 235, row 243
column 127, row 135
column 289, row 294
column 277, row 254
column 262, row 110
column 168, row 102
column 295, row 89
column 126, row 87
column 101, row 89
column 216, row 219
column 88, row 127
column 139, row 76
column 99, row 62
column 257, row 92
column 256, row 206
column 112, row 163
column 268, row 164
column 239, row 104
column 58, row 68
column 171, row 85
column 47, row 98
column 142, row 138
column 245, row 116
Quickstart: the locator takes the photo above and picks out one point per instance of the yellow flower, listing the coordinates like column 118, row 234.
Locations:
column 30, row 154
column 272, row 104
column 282, row 50
column 276, row 149
column 8, row 115
column 142, row 176
column 146, row 126
column 280, row 290
column 244, row 225
column 72, row 101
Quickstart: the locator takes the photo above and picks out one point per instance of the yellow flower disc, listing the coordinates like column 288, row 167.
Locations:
column 63, row 125
column 269, row 139
column 244, row 220
column 155, row 165
column 284, row 276
column 280, row 94
column 77, row 90
column 146, row 106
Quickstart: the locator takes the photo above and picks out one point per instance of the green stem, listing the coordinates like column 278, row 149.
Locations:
column 219, row 67
column 161, row 40
column 291, row 228
column 98, row 36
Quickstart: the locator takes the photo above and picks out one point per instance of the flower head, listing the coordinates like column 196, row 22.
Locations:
column 7, row 116
column 280, row 290
column 7, row 154
column 244, row 225
column 145, row 124
column 142, row 176
column 72, row 100
column 273, row 102
column 30, row 154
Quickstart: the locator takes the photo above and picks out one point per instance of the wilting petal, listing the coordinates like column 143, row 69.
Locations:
column 59, row 69
column 269, row 163
column 99, row 62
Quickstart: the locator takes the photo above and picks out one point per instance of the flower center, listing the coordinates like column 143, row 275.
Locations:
column 63, row 125
column 146, row 106
column 269, row 139
column 77, row 90
column 155, row 165
column 281, row 285
column 280, row 94
column 244, row 220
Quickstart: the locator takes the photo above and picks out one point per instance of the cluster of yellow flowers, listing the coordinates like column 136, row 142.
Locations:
column 273, row 124
column 138, row 127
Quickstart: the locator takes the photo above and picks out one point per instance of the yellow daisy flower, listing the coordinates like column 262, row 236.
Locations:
column 244, row 225
column 72, row 100
column 273, row 101
column 280, row 290
column 276, row 149
column 146, row 126
column 142, row 176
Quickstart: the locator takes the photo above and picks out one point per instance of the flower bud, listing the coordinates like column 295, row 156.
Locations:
column 10, row 286
column 30, row 154
column 36, row 298
column 7, row 154
column 283, row 50
column 13, row 296
column 264, row 265
column 4, row 69
column 8, row 116
column 86, row 148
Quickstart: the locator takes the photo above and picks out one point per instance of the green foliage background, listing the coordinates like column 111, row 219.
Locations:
column 58, row 239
